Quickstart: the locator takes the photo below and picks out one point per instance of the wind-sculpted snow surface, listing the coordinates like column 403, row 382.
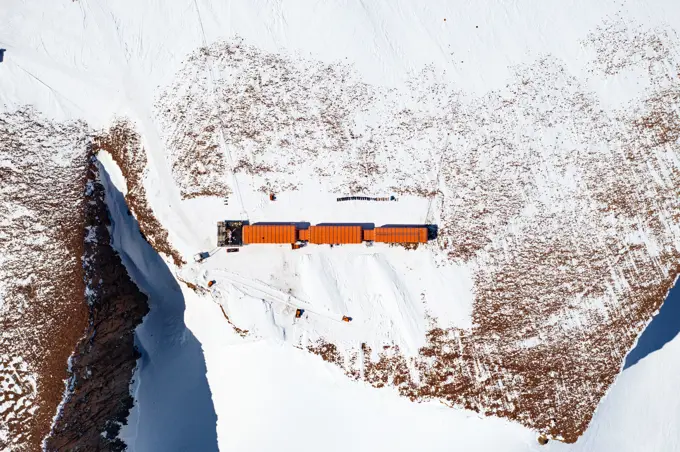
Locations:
column 566, row 209
column 42, row 314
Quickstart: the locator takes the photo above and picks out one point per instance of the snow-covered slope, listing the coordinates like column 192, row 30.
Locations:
column 640, row 412
column 279, row 398
column 541, row 137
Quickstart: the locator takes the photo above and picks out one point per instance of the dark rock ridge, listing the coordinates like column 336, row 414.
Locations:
column 98, row 398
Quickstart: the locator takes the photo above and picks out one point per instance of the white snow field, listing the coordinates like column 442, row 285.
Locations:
column 97, row 60
column 278, row 398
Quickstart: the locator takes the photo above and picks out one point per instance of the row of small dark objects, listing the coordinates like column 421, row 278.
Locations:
column 365, row 198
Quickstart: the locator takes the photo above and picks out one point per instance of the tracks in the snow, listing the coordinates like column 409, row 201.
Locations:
column 254, row 287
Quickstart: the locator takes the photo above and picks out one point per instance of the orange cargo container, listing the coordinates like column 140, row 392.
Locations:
column 401, row 235
column 369, row 235
column 269, row 233
column 335, row 234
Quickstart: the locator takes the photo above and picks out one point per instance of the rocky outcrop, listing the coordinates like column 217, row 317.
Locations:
column 98, row 398
column 43, row 164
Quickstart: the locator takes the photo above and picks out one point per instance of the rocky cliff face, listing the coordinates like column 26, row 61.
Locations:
column 62, row 285
column 98, row 400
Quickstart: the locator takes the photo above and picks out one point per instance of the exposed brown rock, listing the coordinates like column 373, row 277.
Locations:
column 42, row 314
column 327, row 351
column 98, row 395
column 240, row 331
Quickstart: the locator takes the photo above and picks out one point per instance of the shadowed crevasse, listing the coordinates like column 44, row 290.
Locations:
column 98, row 394
column 173, row 403
column 661, row 330
column 174, row 407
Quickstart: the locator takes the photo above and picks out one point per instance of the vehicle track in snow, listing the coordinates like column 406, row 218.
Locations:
column 241, row 282
column 222, row 139
column 437, row 180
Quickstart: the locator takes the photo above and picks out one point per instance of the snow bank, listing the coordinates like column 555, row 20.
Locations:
column 113, row 171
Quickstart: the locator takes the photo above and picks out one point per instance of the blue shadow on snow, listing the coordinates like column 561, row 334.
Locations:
column 662, row 329
column 175, row 410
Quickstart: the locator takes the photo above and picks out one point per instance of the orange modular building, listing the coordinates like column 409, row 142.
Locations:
column 270, row 233
column 237, row 233
column 335, row 234
column 401, row 235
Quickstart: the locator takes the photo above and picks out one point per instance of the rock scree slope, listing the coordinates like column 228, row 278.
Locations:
column 566, row 209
